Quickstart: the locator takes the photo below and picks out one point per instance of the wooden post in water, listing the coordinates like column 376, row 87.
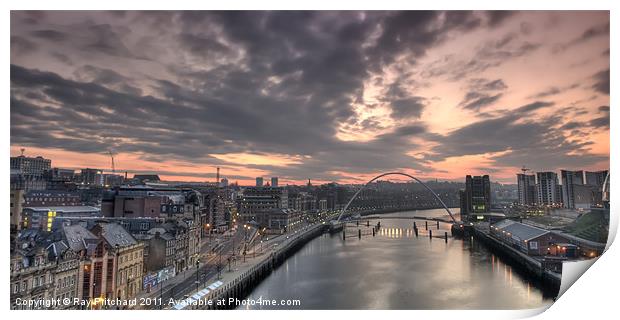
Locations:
column 367, row 223
column 359, row 233
column 426, row 224
column 344, row 235
column 373, row 232
column 430, row 234
column 414, row 226
column 445, row 236
column 415, row 229
column 437, row 224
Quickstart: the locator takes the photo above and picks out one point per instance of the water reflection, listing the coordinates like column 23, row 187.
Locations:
column 396, row 270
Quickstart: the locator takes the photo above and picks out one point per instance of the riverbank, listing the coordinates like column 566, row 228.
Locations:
column 239, row 283
column 532, row 265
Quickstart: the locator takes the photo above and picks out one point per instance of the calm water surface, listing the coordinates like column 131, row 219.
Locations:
column 396, row 270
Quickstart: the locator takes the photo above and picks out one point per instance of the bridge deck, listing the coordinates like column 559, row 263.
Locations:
column 407, row 218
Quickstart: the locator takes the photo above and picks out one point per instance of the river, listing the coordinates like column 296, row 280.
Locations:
column 396, row 270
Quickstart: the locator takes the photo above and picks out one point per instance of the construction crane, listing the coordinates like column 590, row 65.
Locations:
column 112, row 156
column 525, row 170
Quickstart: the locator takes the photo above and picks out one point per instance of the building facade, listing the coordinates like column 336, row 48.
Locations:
column 526, row 186
column 547, row 188
column 570, row 179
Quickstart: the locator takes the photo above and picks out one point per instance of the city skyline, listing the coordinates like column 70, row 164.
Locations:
column 331, row 96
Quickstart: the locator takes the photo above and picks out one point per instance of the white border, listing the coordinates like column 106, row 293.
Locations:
column 594, row 295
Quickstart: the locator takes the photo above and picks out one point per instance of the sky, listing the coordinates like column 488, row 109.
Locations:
column 322, row 95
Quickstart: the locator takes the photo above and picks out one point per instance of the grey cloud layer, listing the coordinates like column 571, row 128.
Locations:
column 235, row 82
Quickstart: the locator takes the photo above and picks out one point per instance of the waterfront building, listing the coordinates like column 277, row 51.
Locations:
column 596, row 178
column 532, row 240
column 526, row 186
column 282, row 220
column 547, row 188
column 570, row 179
column 476, row 198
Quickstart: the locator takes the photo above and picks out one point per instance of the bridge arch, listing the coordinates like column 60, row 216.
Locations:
column 398, row 174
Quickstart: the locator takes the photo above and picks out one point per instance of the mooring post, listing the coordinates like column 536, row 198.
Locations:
column 357, row 223
column 416, row 231
column 430, row 234
column 373, row 232
column 426, row 224
column 367, row 223
column 344, row 236
column 414, row 225
column 437, row 224
column 445, row 236
column 359, row 233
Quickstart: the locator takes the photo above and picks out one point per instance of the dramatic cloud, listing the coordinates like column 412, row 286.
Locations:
column 301, row 94
column 602, row 82
column 483, row 93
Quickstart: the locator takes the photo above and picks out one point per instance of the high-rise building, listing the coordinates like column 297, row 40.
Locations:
column 596, row 178
column 526, row 185
column 274, row 181
column 596, row 181
column 31, row 166
column 547, row 188
column 259, row 181
column 477, row 195
column 569, row 180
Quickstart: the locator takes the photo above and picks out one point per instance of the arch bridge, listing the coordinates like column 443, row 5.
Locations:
column 342, row 212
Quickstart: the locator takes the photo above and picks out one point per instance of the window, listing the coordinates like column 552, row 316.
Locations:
column 16, row 288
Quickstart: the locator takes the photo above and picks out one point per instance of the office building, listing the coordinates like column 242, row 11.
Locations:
column 259, row 181
column 477, row 195
column 274, row 181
